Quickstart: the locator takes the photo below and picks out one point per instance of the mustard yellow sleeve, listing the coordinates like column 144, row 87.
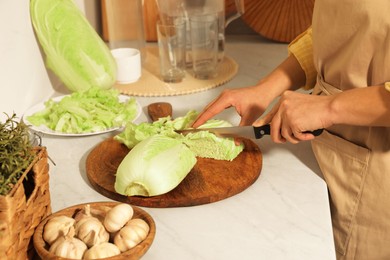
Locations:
column 302, row 48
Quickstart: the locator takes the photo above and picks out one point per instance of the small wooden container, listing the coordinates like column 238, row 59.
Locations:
column 136, row 252
column 23, row 209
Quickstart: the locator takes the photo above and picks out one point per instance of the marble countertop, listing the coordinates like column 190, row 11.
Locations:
column 283, row 215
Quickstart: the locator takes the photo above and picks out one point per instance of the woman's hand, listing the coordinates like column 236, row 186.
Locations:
column 249, row 103
column 294, row 114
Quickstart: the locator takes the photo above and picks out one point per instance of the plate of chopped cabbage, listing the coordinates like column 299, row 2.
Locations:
column 92, row 112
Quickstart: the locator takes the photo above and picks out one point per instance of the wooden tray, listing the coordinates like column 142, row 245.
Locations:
column 151, row 85
column 209, row 181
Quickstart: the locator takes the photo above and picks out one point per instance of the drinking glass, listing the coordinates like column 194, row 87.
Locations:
column 204, row 42
column 172, row 48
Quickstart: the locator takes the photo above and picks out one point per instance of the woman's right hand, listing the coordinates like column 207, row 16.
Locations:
column 249, row 102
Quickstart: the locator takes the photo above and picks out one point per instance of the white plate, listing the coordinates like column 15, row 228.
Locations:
column 44, row 129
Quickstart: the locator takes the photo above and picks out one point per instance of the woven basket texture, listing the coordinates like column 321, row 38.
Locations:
column 24, row 208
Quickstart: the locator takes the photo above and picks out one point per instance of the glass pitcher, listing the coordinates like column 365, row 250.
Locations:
column 172, row 9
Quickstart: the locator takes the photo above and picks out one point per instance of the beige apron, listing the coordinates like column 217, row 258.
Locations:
column 351, row 44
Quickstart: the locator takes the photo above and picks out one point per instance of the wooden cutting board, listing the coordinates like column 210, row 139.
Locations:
column 209, row 181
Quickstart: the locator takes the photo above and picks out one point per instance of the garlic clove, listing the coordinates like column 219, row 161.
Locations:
column 139, row 222
column 91, row 231
column 117, row 217
column 133, row 233
column 102, row 250
column 68, row 247
column 56, row 227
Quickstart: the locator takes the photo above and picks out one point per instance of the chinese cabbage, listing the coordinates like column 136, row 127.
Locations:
column 153, row 167
column 74, row 51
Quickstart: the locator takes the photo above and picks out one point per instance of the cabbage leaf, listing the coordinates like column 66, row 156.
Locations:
column 133, row 133
column 203, row 144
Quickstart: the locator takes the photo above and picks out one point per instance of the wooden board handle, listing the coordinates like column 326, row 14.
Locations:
column 159, row 109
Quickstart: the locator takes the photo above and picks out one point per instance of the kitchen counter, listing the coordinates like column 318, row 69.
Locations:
column 283, row 215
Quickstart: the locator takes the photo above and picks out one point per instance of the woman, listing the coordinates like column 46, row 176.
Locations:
column 345, row 58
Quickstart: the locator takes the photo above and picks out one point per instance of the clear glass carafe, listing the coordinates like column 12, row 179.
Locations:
column 172, row 9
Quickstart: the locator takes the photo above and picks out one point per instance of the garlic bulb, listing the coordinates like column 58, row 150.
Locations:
column 102, row 250
column 57, row 227
column 133, row 233
column 118, row 216
column 90, row 230
column 68, row 247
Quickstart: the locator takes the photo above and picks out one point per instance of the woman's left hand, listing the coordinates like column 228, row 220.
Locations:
column 294, row 114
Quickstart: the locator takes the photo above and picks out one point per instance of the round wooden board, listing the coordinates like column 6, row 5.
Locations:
column 209, row 181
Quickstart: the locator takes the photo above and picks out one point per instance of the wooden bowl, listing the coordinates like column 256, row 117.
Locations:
column 42, row 248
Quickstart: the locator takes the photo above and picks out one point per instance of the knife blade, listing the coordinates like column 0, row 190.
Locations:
column 250, row 132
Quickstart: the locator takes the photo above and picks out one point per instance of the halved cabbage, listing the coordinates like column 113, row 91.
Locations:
column 154, row 166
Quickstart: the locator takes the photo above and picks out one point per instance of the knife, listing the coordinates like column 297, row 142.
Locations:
column 250, row 132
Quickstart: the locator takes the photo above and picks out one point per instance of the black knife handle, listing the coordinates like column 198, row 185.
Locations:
column 260, row 131
column 315, row 132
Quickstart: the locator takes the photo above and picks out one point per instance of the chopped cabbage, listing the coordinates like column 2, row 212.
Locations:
column 207, row 145
column 203, row 144
column 133, row 133
column 84, row 112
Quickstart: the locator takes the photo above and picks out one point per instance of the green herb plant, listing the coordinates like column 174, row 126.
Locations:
column 16, row 152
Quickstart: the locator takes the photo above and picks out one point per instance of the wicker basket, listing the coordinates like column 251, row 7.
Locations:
column 23, row 209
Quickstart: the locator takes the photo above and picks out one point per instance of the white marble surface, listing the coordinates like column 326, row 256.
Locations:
column 283, row 215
